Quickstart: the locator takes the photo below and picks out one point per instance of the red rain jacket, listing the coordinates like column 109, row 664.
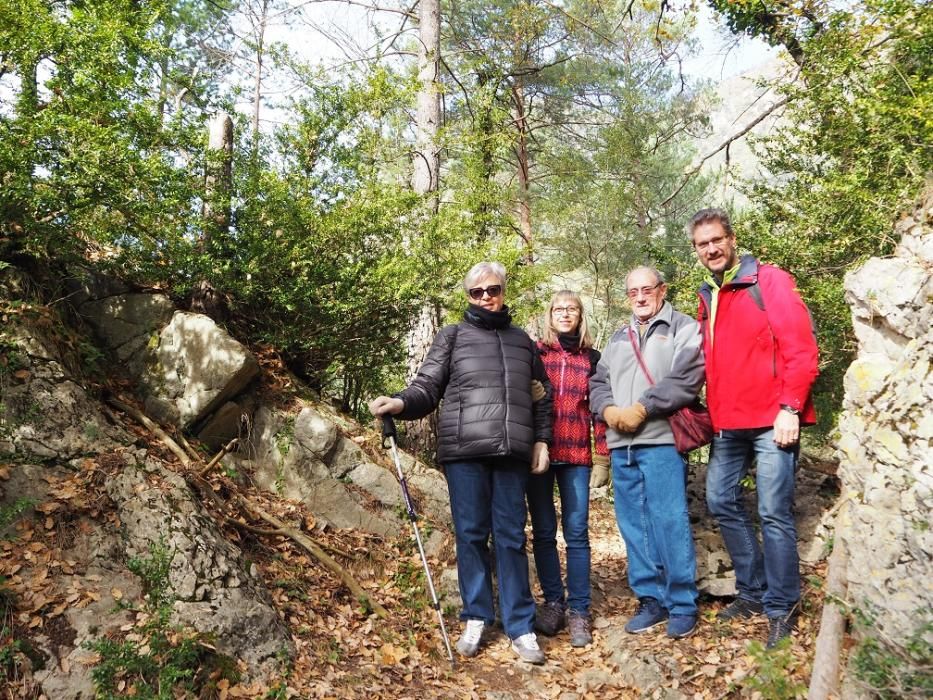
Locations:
column 759, row 359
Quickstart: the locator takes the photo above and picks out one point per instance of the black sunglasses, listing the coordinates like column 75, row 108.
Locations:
column 493, row 290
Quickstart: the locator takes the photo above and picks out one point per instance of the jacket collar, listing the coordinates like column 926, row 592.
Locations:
column 745, row 277
column 665, row 315
column 480, row 317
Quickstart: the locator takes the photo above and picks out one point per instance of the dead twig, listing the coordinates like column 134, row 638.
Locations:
column 217, row 457
column 269, row 532
column 252, row 528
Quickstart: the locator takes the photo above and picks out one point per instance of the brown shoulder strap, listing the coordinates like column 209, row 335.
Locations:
column 641, row 362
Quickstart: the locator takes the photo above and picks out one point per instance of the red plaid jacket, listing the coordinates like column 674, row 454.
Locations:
column 574, row 425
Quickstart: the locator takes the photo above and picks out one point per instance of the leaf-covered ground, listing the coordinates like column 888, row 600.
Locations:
column 344, row 652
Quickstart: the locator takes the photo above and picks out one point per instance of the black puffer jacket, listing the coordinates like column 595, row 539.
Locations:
column 482, row 368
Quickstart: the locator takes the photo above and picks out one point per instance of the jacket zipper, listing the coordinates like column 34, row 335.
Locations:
column 563, row 366
column 505, row 382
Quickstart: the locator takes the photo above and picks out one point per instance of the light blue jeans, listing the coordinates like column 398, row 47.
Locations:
column 650, row 488
column 573, row 485
column 770, row 573
column 487, row 497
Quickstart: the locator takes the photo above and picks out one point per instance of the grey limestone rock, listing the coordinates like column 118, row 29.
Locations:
column 886, row 433
column 128, row 325
column 195, row 369
column 215, row 591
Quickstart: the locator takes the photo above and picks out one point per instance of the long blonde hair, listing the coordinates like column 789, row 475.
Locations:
column 549, row 337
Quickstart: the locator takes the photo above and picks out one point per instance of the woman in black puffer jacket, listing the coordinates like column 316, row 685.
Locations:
column 491, row 435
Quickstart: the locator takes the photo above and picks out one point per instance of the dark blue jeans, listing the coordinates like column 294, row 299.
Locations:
column 573, row 485
column 770, row 573
column 487, row 497
column 649, row 485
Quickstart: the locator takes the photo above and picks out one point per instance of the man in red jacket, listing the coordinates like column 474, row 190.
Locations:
column 761, row 362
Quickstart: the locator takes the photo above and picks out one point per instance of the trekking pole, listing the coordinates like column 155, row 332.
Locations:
column 388, row 433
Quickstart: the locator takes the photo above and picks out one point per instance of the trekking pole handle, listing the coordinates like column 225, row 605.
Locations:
column 388, row 429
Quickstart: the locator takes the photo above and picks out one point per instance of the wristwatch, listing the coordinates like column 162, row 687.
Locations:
column 790, row 409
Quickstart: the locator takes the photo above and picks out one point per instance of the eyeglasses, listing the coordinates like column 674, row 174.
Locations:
column 493, row 290
column 565, row 310
column 646, row 291
column 715, row 242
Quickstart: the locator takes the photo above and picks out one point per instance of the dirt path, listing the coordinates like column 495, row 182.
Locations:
column 713, row 663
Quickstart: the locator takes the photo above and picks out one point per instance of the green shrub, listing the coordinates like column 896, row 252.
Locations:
column 891, row 671
column 160, row 660
column 772, row 676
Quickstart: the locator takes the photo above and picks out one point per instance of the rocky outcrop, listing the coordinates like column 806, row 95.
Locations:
column 305, row 457
column 196, row 367
column 213, row 588
column 216, row 590
column 887, row 436
column 188, row 367
column 45, row 412
column 128, row 325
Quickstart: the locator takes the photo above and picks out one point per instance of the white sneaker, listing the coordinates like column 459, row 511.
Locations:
column 469, row 641
column 527, row 648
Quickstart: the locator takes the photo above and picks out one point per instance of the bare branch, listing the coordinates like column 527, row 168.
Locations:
column 724, row 146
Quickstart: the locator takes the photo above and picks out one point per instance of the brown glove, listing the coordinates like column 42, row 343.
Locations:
column 611, row 415
column 600, row 474
column 538, row 391
column 630, row 418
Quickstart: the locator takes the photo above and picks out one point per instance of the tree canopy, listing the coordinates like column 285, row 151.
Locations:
column 567, row 147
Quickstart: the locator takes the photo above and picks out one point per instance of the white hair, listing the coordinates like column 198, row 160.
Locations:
column 484, row 269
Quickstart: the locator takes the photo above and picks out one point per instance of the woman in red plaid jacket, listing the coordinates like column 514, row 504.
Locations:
column 569, row 358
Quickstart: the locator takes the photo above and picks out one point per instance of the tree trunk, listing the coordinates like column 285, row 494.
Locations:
column 824, row 681
column 218, row 178
column 257, row 80
column 427, row 160
column 218, row 187
column 522, row 158
column 422, row 433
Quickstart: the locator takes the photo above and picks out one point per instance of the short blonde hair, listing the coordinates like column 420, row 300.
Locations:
column 549, row 337
column 484, row 269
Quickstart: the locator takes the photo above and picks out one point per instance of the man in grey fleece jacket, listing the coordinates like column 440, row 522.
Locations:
column 648, row 474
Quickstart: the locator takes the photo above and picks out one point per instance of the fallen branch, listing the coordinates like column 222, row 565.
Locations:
column 271, row 532
column 252, row 528
column 188, row 448
column 217, row 457
column 153, row 427
column 318, row 553
column 824, row 681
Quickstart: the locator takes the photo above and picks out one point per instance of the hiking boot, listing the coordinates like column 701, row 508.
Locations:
column 649, row 614
column 550, row 618
column 680, row 626
column 740, row 609
column 527, row 648
column 780, row 628
column 579, row 624
column 469, row 641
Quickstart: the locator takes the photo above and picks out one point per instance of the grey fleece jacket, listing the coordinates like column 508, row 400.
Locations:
column 671, row 349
